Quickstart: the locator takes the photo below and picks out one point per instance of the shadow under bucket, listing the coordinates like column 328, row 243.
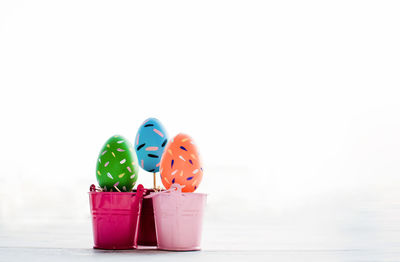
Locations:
column 179, row 219
column 115, row 217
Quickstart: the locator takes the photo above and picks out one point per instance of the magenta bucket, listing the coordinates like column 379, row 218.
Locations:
column 116, row 218
column 147, row 229
column 178, row 218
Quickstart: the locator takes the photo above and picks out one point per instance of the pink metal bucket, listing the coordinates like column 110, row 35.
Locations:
column 116, row 218
column 178, row 218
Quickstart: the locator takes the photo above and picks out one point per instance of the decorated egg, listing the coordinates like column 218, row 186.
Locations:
column 117, row 165
column 150, row 143
column 180, row 164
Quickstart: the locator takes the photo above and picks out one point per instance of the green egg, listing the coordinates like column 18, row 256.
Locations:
column 117, row 165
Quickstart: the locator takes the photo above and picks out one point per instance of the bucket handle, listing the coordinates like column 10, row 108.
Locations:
column 139, row 191
column 174, row 188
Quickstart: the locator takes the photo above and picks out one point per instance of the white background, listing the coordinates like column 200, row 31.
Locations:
column 291, row 103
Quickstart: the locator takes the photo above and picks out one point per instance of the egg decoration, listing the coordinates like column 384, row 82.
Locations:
column 117, row 165
column 181, row 164
column 150, row 143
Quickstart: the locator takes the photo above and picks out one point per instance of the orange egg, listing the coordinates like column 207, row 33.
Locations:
column 180, row 164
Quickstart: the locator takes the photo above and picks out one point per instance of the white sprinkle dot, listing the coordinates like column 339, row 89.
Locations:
column 173, row 173
column 195, row 171
column 122, row 161
column 109, row 175
column 119, row 142
column 181, row 157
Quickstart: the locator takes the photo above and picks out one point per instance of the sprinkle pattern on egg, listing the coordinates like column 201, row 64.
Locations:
column 181, row 164
column 150, row 143
column 117, row 165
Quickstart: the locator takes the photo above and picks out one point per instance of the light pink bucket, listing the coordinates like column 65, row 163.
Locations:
column 178, row 218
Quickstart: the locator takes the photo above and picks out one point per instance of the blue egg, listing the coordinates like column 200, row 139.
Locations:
column 150, row 142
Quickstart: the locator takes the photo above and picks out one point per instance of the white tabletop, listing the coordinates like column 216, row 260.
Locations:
column 354, row 229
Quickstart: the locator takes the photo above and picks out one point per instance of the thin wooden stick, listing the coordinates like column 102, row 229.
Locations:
column 154, row 180
column 117, row 189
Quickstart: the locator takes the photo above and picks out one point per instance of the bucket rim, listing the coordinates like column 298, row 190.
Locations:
column 175, row 189
column 146, row 192
column 154, row 194
column 138, row 191
column 113, row 193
